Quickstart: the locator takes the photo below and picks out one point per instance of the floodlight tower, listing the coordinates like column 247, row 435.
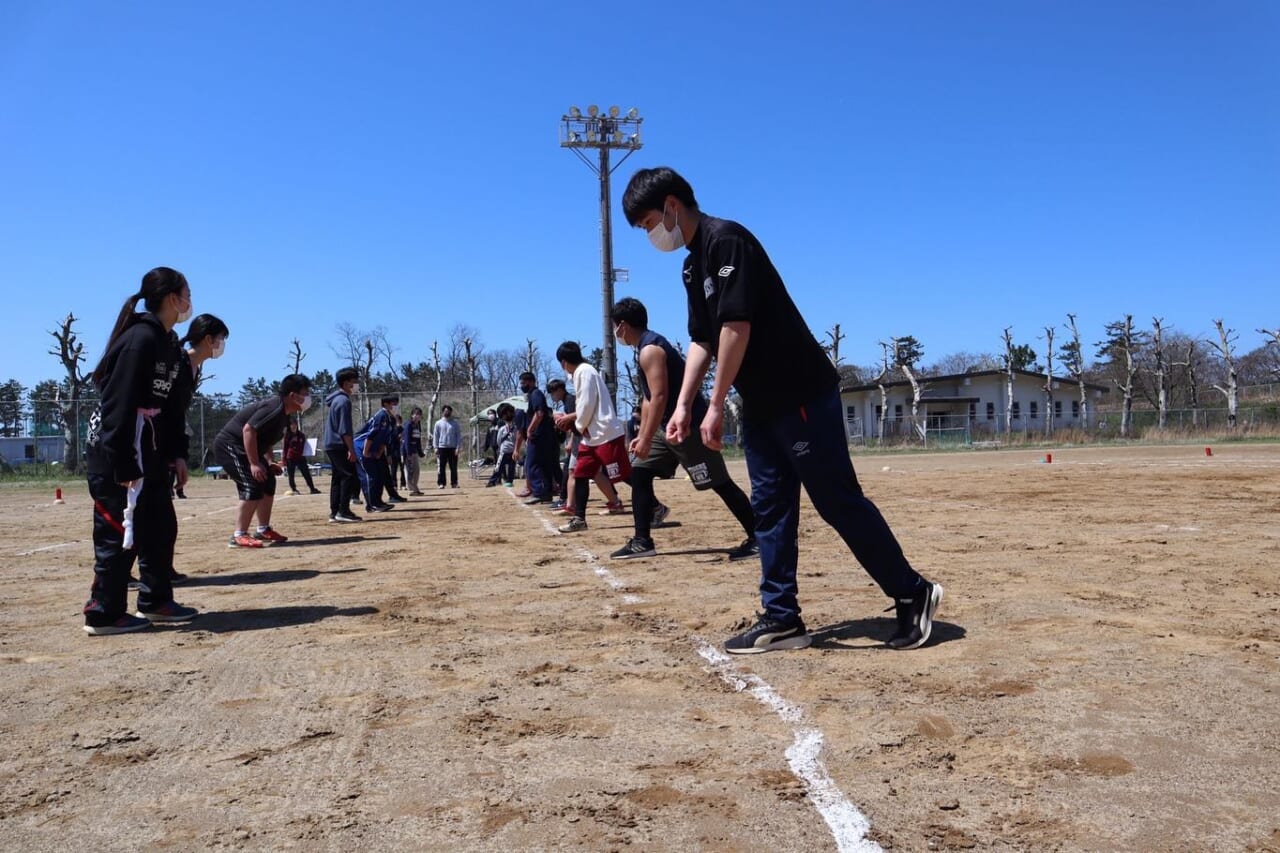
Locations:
column 603, row 133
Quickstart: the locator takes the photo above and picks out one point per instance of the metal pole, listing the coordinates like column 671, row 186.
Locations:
column 606, row 278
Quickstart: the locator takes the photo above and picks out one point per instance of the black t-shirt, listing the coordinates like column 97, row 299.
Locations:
column 728, row 277
column 266, row 416
column 675, row 377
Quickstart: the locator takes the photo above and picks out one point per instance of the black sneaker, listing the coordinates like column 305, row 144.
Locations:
column 915, row 618
column 635, row 547
column 344, row 518
column 748, row 549
column 124, row 625
column 170, row 611
column 768, row 635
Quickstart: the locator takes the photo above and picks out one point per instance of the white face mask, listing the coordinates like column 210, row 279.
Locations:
column 219, row 347
column 664, row 240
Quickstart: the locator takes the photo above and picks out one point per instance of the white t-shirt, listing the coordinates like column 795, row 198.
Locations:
column 596, row 418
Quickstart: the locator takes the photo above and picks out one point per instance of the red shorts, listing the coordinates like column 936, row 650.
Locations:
column 612, row 458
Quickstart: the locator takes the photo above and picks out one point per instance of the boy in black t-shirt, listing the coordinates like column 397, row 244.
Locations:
column 793, row 434
column 244, row 449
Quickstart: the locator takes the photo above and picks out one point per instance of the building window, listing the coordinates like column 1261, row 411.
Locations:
column 1057, row 408
column 1016, row 408
column 991, row 411
column 1075, row 408
column 1035, row 410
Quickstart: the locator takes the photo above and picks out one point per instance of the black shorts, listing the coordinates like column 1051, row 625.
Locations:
column 706, row 467
column 236, row 463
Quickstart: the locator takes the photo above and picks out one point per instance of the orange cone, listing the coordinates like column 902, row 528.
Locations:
column 57, row 496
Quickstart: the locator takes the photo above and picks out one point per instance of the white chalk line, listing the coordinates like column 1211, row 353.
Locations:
column 848, row 825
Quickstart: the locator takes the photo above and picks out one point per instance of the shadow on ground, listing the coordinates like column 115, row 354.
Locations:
column 875, row 632
column 216, row 622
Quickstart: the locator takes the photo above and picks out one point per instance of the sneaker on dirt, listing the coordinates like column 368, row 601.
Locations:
column 768, row 635
column 915, row 618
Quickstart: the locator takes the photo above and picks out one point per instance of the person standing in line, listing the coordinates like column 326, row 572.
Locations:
column 446, row 436
column 295, row 459
column 245, row 451
column 542, row 457
column 206, row 338
column 741, row 315
column 340, row 447
column 604, row 444
column 371, row 446
column 661, row 374
column 127, row 472
column 411, row 450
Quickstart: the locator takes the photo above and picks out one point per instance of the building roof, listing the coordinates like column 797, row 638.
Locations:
column 924, row 380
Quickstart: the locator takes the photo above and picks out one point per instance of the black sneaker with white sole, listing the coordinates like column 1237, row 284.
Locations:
column 635, row 547
column 915, row 617
column 748, row 549
column 769, row 635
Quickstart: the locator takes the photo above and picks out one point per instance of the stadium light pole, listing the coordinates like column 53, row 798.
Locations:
column 603, row 132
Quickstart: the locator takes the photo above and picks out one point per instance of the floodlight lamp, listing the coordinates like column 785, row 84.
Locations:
column 574, row 112
column 613, row 112
column 633, row 113
column 593, row 111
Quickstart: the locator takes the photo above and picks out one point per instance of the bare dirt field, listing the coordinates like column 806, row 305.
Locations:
column 454, row 675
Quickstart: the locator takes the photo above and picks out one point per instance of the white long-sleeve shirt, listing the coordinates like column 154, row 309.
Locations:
column 446, row 433
column 595, row 418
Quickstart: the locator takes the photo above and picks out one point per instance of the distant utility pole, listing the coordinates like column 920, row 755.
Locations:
column 603, row 133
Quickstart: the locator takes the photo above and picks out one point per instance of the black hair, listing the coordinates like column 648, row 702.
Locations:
column 390, row 398
column 347, row 374
column 529, row 376
column 631, row 311
column 202, row 326
column 570, row 352
column 294, row 383
column 156, row 285
column 648, row 190
column 555, row 385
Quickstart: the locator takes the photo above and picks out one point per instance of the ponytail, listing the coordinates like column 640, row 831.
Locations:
column 156, row 285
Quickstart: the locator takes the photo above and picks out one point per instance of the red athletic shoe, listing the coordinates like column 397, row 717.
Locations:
column 269, row 536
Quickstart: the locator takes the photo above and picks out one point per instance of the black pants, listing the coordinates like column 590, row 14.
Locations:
column 300, row 465
column 447, row 456
column 345, row 485
column 155, row 529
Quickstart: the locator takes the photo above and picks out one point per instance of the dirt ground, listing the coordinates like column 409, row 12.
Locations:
column 452, row 675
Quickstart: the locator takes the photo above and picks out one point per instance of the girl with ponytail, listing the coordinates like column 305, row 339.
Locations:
column 129, row 436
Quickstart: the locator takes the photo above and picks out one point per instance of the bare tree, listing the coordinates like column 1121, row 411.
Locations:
column 884, row 392
column 475, row 397
column 1159, row 371
column 1225, row 346
column 1072, row 356
column 296, row 357
column 1048, row 380
column 833, row 348
column 435, row 393
column 1010, row 354
column 1274, row 341
column 906, row 354
column 1121, row 346
column 70, row 352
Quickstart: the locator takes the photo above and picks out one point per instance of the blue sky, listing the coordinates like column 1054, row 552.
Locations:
column 940, row 169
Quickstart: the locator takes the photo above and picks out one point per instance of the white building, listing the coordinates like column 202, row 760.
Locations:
column 971, row 403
